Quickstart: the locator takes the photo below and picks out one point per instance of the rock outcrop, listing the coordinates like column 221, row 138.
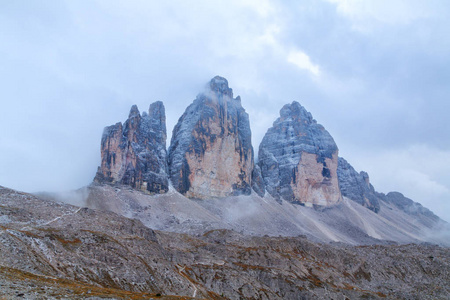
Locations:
column 410, row 207
column 299, row 158
column 356, row 186
column 135, row 153
column 210, row 153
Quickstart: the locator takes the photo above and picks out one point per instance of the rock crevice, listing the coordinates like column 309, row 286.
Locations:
column 135, row 153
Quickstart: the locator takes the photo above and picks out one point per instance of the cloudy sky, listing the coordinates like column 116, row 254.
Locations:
column 375, row 73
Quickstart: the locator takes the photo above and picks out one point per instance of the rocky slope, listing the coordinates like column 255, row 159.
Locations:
column 299, row 159
column 356, row 186
column 346, row 222
column 135, row 153
column 52, row 251
column 210, row 153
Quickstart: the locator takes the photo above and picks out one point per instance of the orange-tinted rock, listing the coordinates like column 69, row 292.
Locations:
column 135, row 153
column 299, row 159
column 211, row 153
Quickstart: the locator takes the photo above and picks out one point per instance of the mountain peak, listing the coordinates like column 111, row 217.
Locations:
column 298, row 159
column 134, row 111
column 296, row 111
column 135, row 154
column 219, row 85
column 210, row 154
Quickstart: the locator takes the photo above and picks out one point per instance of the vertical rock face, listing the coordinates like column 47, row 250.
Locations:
column 135, row 153
column 299, row 158
column 210, row 153
column 258, row 182
column 356, row 186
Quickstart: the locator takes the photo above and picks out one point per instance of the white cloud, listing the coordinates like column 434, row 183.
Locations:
column 420, row 172
column 302, row 60
column 81, row 64
column 366, row 14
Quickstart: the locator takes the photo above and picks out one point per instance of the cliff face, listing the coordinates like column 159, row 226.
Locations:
column 135, row 153
column 356, row 186
column 299, row 158
column 210, row 154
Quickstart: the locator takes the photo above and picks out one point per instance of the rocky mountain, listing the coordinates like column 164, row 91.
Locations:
column 211, row 158
column 356, row 186
column 299, row 159
column 51, row 250
column 210, row 153
column 135, row 153
column 224, row 228
column 422, row 214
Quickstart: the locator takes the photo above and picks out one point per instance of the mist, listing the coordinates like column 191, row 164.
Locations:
column 374, row 73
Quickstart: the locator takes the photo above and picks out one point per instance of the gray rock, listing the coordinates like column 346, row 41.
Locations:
column 410, row 207
column 210, row 153
column 258, row 182
column 298, row 159
column 135, row 153
column 58, row 251
column 356, row 186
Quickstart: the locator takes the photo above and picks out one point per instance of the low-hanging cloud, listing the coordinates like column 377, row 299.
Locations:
column 69, row 68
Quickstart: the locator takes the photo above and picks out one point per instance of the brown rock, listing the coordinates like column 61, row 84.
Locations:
column 211, row 153
column 135, row 153
column 299, row 159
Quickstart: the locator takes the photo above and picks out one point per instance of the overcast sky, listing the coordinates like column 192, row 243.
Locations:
column 375, row 73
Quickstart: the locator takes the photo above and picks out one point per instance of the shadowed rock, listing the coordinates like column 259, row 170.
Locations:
column 356, row 186
column 410, row 207
column 135, row 153
column 298, row 159
column 210, row 153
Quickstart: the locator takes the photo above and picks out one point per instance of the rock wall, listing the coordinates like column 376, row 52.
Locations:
column 356, row 186
column 135, row 153
column 210, row 153
column 298, row 159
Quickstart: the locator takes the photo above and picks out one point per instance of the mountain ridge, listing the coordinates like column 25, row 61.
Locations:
column 211, row 156
column 203, row 220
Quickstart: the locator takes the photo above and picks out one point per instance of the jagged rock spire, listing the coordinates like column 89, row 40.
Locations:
column 135, row 153
column 210, row 153
column 298, row 159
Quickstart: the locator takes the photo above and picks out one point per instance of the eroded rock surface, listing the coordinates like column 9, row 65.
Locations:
column 58, row 251
column 299, row 158
column 356, row 186
column 135, row 153
column 210, row 154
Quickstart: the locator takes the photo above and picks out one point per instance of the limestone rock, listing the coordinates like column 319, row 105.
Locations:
column 299, row 158
column 409, row 206
column 135, row 153
column 258, row 182
column 356, row 186
column 210, row 154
